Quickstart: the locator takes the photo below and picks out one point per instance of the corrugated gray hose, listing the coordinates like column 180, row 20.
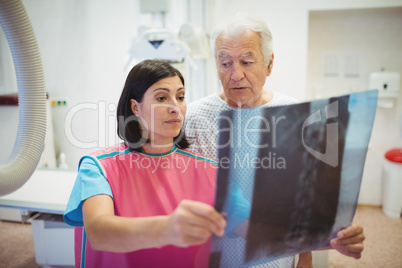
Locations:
column 30, row 140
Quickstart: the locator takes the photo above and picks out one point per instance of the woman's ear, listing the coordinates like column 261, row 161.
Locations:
column 134, row 107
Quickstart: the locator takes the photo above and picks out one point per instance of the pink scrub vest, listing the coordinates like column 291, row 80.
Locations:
column 146, row 185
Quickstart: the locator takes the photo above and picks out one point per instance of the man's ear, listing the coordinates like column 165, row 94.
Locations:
column 134, row 107
column 270, row 65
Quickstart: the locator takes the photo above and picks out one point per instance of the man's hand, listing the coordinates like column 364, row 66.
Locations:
column 349, row 241
column 305, row 260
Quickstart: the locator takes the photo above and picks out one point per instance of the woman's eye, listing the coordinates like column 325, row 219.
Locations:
column 161, row 98
column 181, row 98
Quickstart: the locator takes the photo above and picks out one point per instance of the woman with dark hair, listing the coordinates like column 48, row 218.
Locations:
column 141, row 78
column 146, row 202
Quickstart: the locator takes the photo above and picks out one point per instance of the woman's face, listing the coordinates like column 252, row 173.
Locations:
column 162, row 110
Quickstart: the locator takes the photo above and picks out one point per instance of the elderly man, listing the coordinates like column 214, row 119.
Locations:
column 244, row 58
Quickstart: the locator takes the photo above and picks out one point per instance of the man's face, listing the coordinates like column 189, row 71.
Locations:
column 241, row 69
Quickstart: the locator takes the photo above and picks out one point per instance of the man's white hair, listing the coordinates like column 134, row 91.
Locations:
column 240, row 23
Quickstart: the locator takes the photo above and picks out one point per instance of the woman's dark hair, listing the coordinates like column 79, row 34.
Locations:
column 141, row 77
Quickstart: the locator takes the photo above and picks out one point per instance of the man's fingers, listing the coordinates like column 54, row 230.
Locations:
column 350, row 231
column 352, row 240
column 357, row 248
column 352, row 250
column 355, row 255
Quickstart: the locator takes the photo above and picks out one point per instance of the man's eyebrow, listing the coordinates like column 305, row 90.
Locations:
column 248, row 54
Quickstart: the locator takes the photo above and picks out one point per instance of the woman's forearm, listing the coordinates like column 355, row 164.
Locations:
column 191, row 223
column 121, row 234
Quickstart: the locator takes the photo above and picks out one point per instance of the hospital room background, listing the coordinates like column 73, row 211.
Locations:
column 322, row 49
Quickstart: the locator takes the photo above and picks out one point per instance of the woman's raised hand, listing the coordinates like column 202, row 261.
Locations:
column 192, row 223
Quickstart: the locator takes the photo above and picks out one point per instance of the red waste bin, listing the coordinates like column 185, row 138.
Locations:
column 392, row 184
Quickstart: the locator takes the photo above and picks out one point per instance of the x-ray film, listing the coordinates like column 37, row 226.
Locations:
column 289, row 176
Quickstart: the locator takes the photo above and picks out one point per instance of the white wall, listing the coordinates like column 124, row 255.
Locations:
column 84, row 47
column 375, row 36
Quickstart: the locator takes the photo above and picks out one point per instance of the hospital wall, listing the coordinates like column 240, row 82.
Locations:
column 362, row 41
column 84, row 48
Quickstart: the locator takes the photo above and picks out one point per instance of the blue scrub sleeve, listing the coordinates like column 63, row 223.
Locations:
column 90, row 182
column 237, row 208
